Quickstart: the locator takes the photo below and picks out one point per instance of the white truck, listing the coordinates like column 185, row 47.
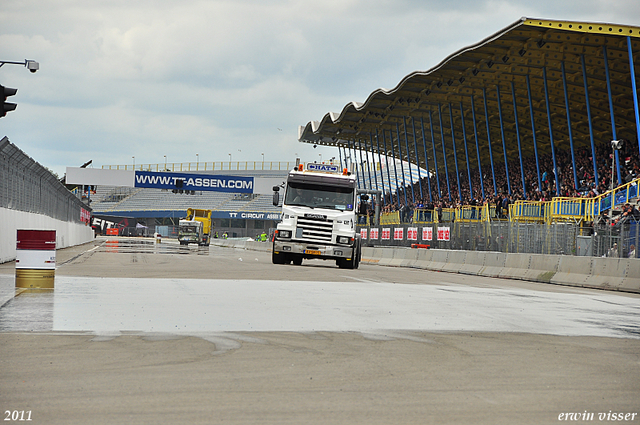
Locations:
column 318, row 217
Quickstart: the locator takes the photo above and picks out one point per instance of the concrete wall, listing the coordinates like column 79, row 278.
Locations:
column 67, row 233
column 621, row 274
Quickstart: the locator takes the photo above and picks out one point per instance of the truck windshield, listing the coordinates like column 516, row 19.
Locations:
column 188, row 229
column 317, row 196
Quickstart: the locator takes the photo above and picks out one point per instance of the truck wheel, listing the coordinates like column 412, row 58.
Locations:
column 354, row 262
column 278, row 258
column 343, row 263
column 297, row 261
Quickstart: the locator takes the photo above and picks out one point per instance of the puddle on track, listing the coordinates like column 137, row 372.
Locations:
column 108, row 306
column 137, row 246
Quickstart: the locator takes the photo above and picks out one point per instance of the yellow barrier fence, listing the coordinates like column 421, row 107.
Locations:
column 527, row 211
column 469, row 214
column 390, row 218
column 425, row 216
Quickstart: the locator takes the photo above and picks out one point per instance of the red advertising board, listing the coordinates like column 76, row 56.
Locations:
column 386, row 234
column 427, row 233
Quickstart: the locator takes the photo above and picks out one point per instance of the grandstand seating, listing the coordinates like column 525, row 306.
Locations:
column 558, row 210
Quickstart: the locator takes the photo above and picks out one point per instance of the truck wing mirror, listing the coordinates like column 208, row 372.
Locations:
column 276, row 198
column 276, row 188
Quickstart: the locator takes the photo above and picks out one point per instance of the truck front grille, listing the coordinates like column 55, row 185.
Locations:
column 313, row 229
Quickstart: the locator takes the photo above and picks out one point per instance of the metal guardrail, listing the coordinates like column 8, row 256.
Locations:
column 608, row 200
column 390, row 218
column 527, row 211
column 565, row 209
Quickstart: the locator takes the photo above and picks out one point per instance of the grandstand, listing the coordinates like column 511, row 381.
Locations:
column 234, row 213
column 543, row 114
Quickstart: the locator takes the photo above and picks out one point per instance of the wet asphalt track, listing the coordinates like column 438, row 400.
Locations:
column 138, row 332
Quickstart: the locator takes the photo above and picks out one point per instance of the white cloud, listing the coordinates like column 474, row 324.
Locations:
column 154, row 78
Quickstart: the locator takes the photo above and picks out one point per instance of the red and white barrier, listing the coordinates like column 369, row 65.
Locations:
column 35, row 258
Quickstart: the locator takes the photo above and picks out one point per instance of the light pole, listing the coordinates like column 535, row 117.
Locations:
column 616, row 145
column 134, row 162
column 31, row 65
column 5, row 92
column 262, row 160
column 197, row 161
column 165, row 163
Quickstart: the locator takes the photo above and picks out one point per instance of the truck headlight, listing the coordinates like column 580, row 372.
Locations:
column 344, row 240
column 284, row 233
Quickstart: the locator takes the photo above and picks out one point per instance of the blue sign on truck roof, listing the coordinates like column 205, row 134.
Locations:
column 323, row 167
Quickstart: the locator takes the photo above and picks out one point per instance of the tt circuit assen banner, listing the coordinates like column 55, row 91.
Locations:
column 212, row 182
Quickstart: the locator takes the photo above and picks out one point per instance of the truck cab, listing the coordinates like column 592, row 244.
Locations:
column 195, row 228
column 318, row 217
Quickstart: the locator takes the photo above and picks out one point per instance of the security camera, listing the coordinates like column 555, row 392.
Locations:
column 617, row 144
column 32, row 66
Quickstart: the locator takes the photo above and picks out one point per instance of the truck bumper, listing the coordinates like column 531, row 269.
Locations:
column 312, row 250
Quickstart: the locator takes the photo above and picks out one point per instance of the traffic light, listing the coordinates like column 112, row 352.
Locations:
column 6, row 106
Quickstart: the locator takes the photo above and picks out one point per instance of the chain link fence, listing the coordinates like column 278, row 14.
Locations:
column 504, row 236
column 27, row 186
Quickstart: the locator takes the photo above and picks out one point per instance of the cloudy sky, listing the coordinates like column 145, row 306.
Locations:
column 120, row 78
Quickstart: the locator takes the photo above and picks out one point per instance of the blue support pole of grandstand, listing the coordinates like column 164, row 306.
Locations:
column 515, row 114
column 426, row 159
column 386, row 159
column 404, row 181
column 384, row 202
column 613, row 121
column 395, row 169
column 634, row 89
column 466, row 153
column 435, row 158
column 533, row 132
column 486, row 117
column 373, row 158
column 344, row 157
column 455, row 155
column 504, row 145
column 366, row 153
column 364, row 181
column 415, row 146
column 553, row 148
column 588, row 106
column 566, row 101
column 353, row 160
column 344, row 154
column 406, row 143
column 475, row 133
column 444, row 152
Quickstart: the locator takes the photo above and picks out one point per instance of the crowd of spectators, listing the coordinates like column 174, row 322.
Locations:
column 584, row 185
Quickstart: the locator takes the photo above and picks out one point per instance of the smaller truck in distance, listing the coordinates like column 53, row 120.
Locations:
column 196, row 227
